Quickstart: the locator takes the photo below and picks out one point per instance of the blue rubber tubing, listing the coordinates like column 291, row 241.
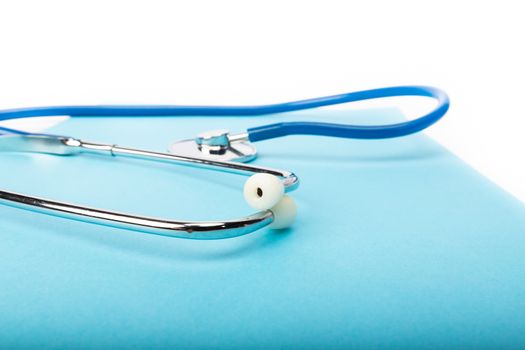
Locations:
column 264, row 132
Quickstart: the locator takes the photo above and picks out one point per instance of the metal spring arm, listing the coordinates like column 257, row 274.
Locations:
column 59, row 145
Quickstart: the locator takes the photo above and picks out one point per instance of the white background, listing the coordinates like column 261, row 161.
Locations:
column 225, row 52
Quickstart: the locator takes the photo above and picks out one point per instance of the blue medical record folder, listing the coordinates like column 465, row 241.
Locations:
column 397, row 244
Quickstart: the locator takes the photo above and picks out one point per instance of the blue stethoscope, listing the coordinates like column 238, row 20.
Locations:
column 264, row 190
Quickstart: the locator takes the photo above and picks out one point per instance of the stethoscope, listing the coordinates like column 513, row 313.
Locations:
column 266, row 188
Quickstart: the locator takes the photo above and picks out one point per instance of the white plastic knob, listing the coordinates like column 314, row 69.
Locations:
column 263, row 191
column 284, row 213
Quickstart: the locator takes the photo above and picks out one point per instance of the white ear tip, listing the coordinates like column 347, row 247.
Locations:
column 263, row 191
column 284, row 213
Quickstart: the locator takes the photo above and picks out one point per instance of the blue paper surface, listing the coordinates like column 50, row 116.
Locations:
column 397, row 244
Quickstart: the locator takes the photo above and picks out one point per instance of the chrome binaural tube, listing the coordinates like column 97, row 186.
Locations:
column 59, row 145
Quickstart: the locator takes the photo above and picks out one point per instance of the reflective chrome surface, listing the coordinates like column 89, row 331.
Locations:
column 179, row 229
column 37, row 143
column 174, row 228
column 217, row 145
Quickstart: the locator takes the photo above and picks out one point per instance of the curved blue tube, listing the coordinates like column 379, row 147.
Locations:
column 266, row 131
column 357, row 131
